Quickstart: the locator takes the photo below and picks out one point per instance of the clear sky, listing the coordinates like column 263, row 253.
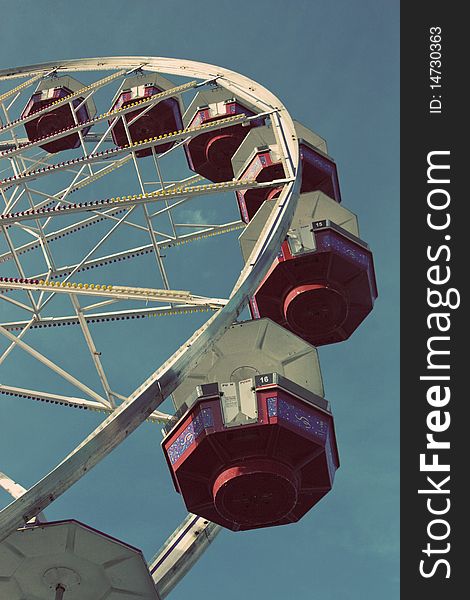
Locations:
column 335, row 67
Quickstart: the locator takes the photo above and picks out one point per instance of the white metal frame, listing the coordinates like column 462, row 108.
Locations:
column 144, row 401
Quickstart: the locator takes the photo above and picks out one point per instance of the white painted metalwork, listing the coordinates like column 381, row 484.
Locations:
column 99, row 317
column 195, row 534
column 16, row 490
column 181, row 550
column 116, row 292
column 140, row 199
column 74, row 402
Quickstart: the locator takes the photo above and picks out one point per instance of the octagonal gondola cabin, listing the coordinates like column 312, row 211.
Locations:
column 68, row 560
column 322, row 285
column 210, row 154
column 254, row 442
column 52, row 119
column 259, row 157
column 163, row 117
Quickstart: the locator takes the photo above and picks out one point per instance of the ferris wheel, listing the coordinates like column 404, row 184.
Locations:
column 118, row 179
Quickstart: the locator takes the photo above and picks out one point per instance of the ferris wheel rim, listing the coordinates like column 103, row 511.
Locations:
column 131, row 413
column 170, row 66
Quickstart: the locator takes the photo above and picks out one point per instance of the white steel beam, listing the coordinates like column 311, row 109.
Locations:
column 88, row 255
column 53, row 235
column 149, row 103
column 16, row 491
column 44, row 247
column 17, row 303
column 74, row 402
column 117, row 292
column 18, row 337
column 86, row 222
column 20, row 268
column 207, row 231
column 162, row 186
column 181, row 551
column 101, row 317
column 136, row 200
column 65, row 100
column 51, row 365
column 95, row 355
column 153, row 238
column 132, row 412
column 179, row 136
column 22, row 86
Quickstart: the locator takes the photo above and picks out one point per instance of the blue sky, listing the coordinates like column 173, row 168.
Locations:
column 335, row 66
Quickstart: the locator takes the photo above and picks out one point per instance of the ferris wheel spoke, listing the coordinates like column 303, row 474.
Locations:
column 162, row 184
column 14, row 198
column 12, row 101
column 31, row 231
column 62, row 101
column 16, row 490
column 178, row 136
column 172, row 185
column 53, row 366
column 46, row 251
column 156, row 249
column 93, row 136
column 54, row 235
column 73, row 112
column 151, row 232
column 43, row 159
column 17, row 303
column 60, row 196
column 114, row 292
column 149, row 103
column 136, row 200
column 86, row 222
column 206, row 232
column 101, row 317
column 12, row 201
column 110, row 214
column 75, row 402
column 9, row 145
column 181, row 551
column 70, row 401
column 17, row 164
column 22, row 86
column 99, row 304
column 76, row 183
column 18, row 337
column 19, row 267
column 93, row 250
column 95, row 355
